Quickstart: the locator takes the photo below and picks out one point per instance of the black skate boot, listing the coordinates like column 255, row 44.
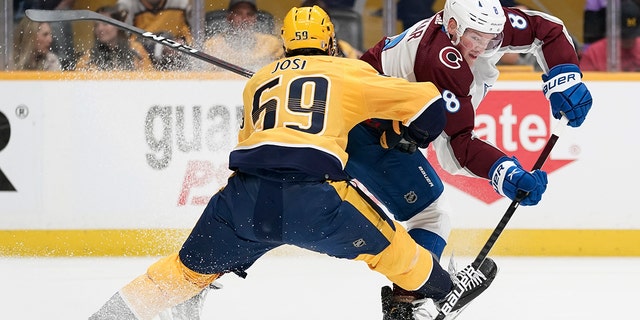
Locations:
column 399, row 304
column 468, row 284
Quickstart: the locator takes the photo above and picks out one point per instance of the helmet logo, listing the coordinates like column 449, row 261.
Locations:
column 481, row 15
column 450, row 57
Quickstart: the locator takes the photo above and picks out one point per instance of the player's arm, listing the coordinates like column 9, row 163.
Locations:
column 394, row 133
column 460, row 151
column 563, row 85
column 418, row 106
column 373, row 56
column 483, row 160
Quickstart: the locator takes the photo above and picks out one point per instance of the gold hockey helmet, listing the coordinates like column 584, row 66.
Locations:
column 308, row 27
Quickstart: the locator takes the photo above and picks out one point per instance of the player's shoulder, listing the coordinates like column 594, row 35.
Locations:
column 443, row 64
column 355, row 67
column 437, row 55
column 524, row 19
column 422, row 42
column 420, row 32
column 350, row 62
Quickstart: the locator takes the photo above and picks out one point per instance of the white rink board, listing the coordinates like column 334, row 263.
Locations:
column 103, row 154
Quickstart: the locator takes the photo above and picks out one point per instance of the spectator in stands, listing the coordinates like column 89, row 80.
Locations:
column 345, row 49
column 19, row 6
column 113, row 49
column 160, row 16
column 595, row 21
column 62, row 33
column 340, row 4
column 594, row 58
column 32, row 47
column 241, row 43
column 411, row 11
column 216, row 22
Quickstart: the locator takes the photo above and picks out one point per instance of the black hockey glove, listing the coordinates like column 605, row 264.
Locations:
column 394, row 135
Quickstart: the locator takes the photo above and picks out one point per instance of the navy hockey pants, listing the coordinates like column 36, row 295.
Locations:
column 253, row 214
column 405, row 183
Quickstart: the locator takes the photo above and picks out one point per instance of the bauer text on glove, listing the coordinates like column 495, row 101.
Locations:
column 567, row 93
column 508, row 177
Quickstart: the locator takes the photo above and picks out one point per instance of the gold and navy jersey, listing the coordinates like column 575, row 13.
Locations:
column 298, row 112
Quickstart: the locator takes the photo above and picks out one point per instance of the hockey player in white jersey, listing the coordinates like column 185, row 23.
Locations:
column 457, row 49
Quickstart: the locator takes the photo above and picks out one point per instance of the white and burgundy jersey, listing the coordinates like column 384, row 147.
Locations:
column 424, row 53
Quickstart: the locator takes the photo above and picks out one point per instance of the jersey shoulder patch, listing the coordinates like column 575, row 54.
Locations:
column 450, row 57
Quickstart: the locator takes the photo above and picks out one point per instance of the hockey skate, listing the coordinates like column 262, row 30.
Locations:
column 468, row 284
column 399, row 304
column 190, row 309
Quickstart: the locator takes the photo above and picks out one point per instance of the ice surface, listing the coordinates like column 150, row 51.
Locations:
column 312, row 287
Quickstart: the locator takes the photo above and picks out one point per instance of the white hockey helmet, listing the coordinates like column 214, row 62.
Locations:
column 484, row 16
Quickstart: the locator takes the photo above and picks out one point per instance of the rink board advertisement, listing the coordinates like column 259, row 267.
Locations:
column 133, row 153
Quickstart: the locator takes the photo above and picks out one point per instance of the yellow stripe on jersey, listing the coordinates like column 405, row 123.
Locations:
column 351, row 195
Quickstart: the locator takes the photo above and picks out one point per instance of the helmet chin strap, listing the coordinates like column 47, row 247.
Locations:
column 333, row 47
column 456, row 41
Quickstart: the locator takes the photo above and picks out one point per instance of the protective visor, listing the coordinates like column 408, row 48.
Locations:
column 486, row 43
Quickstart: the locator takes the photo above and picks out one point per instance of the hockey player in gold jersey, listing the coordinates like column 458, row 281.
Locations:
column 289, row 184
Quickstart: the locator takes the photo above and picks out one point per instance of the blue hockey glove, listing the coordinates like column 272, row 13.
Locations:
column 567, row 93
column 394, row 135
column 508, row 177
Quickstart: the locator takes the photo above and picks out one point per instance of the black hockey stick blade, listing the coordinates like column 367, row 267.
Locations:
column 515, row 203
column 79, row 15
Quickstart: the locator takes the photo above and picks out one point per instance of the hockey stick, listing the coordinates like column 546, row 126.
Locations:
column 78, row 15
column 503, row 222
column 515, row 203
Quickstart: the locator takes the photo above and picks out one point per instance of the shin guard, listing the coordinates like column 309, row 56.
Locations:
column 167, row 282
